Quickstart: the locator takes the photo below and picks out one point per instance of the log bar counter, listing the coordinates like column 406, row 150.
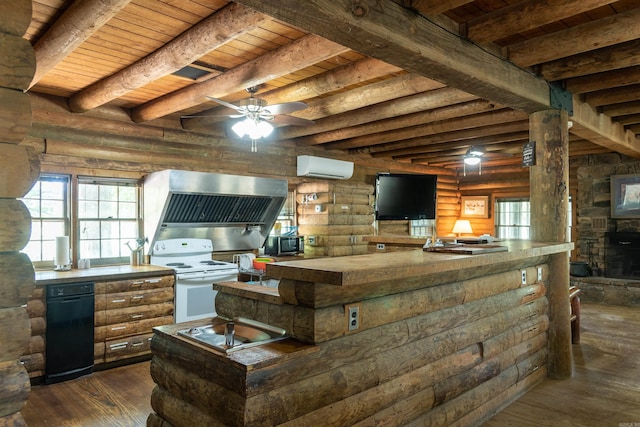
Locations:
column 440, row 339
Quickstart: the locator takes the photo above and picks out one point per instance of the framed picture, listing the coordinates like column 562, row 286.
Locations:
column 474, row 206
column 625, row 196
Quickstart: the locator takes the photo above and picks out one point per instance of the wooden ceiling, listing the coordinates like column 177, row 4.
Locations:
column 410, row 80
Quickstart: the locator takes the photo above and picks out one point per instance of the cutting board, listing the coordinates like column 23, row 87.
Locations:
column 469, row 249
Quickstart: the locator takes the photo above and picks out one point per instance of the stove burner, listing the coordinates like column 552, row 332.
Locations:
column 182, row 266
column 175, row 264
column 212, row 263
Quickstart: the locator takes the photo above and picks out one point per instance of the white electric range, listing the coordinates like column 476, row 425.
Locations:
column 196, row 273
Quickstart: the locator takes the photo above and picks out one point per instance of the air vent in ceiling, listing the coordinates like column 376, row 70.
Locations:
column 190, row 72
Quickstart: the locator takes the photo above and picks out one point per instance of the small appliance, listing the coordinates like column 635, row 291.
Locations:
column 284, row 245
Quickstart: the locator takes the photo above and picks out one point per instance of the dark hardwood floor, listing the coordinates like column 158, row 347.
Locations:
column 605, row 390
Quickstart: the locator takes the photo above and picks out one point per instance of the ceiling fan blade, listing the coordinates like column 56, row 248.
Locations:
column 225, row 103
column 285, row 108
column 291, row 120
column 196, row 116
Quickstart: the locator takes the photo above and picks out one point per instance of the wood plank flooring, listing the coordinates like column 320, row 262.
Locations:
column 605, row 390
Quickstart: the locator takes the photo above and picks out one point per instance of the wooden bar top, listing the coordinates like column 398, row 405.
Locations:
column 359, row 269
column 113, row 272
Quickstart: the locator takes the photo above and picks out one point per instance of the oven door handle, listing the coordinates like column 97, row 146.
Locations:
column 202, row 277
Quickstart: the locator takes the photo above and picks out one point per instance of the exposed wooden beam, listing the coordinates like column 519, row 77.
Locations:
column 605, row 59
column 526, row 15
column 601, row 130
column 347, row 138
column 434, row 7
column 435, row 127
column 209, row 34
column 299, row 54
column 605, row 80
column 613, row 96
column 415, row 145
column 77, row 23
column 329, row 81
column 609, row 31
column 398, row 35
column 396, row 107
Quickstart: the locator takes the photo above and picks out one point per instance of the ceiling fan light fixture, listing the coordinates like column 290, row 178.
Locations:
column 254, row 128
column 475, row 151
column 472, row 160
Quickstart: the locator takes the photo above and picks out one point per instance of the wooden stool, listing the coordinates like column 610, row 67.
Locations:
column 574, row 300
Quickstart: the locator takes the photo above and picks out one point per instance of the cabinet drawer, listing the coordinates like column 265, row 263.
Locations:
column 131, row 328
column 129, row 285
column 127, row 347
column 137, row 298
column 135, row 314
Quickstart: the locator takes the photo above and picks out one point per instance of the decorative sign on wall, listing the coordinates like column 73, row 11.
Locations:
column 529, row 154
column 474, row 206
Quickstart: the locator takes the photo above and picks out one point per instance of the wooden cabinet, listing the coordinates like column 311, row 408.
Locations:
column 126, row 311
column 128, row 304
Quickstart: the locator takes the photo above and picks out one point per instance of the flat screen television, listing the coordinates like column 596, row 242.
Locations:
column 405, row 196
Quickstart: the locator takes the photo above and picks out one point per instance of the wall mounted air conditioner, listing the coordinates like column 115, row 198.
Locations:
column 324, row 168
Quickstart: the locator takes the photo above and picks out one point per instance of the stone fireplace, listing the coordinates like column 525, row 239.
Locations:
column 622, row 255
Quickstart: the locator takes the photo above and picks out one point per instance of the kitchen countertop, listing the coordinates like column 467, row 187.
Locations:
column 50, row 277
column 362, row 269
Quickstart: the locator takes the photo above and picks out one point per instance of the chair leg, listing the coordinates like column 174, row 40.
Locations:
column 575, row 318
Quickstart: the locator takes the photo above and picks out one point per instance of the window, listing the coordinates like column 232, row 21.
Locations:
column 513, row 218
column 108, row 219
column 48, row 205
column 422, row 227
column 287, row 217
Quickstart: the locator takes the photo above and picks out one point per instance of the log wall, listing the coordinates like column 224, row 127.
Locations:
column 429, row 351
column 19, row 168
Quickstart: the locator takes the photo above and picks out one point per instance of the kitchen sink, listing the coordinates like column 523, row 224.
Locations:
column 246, row 333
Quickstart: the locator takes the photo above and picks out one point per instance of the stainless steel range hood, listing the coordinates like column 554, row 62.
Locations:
column 235, row 212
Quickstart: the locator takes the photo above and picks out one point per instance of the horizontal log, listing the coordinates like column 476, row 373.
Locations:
column 34, row 364
column 179, row 413
column 18, row 63
column 15, row 17
column 335, row 198
column 19, row 168
column 18, row 279
column 331, row 230
column 334, row 209
column 13, row 420
column 334, row 187
column 15, row 118
column 15, row 388
column 335, row 219
column 16, row 220
column 16, row 335
column 38, row 325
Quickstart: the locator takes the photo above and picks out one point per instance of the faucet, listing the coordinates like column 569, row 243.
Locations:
column 229, row 332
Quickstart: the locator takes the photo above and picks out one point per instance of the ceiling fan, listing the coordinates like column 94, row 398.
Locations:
column 258, row 116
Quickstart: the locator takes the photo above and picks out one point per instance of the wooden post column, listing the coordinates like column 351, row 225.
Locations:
column 549, row 183
column 19, row 169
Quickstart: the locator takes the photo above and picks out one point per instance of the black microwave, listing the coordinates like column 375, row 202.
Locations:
column 284, row 245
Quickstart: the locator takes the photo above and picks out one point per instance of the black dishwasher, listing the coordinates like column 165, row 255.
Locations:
column 69, row 336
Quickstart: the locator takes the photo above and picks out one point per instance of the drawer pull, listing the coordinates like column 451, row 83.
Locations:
column 153, row 280
column 137, row 344
column 137, row 297
column 136, row 283
column 118, row 328
column 119, row 346
column 115, row 301
column 137, row 316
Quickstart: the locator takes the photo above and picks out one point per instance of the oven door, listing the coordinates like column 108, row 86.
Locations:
column 195, row 297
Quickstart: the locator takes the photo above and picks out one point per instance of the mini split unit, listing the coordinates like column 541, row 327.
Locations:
column 321, row 167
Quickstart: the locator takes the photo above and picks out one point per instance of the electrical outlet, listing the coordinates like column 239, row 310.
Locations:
column 539, row 274
column 353, row 317
column 318, row 208
column 310, row 240
column 524, row 276
column 380, row 246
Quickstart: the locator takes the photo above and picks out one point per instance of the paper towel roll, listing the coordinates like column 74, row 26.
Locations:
column 62, row 251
